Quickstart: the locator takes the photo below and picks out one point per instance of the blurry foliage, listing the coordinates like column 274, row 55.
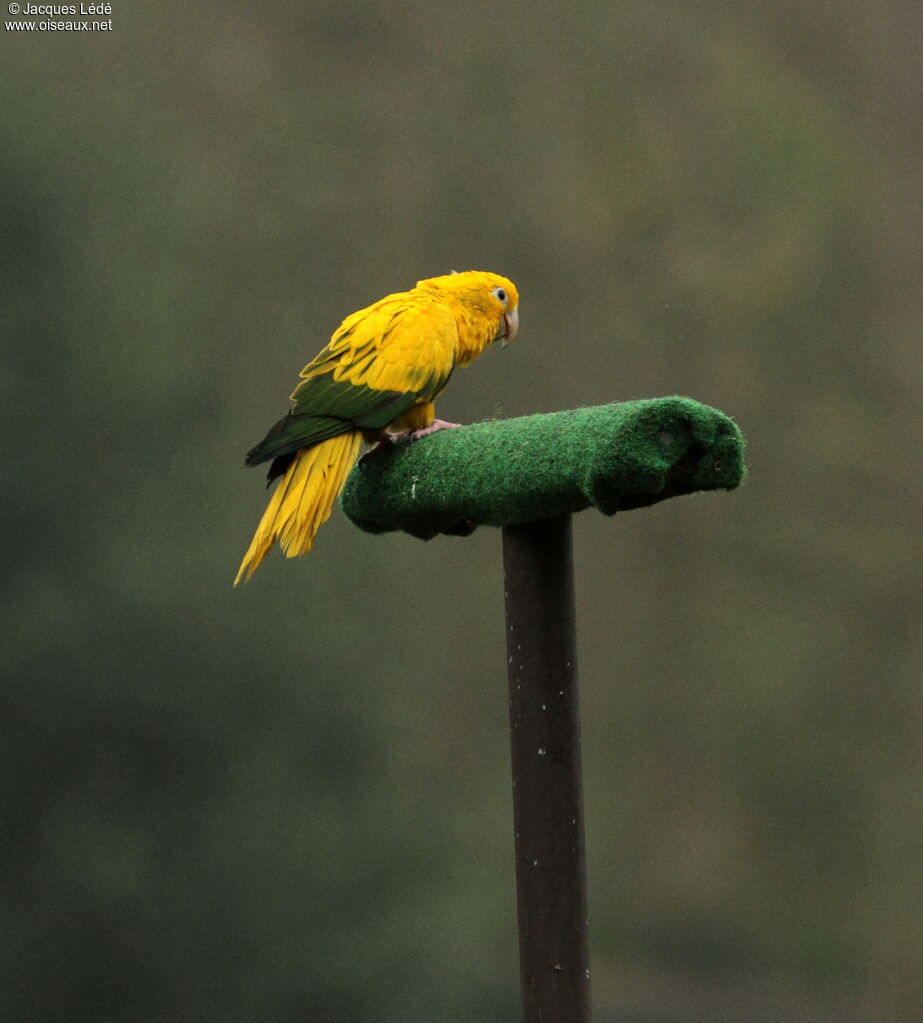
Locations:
column 291, row 802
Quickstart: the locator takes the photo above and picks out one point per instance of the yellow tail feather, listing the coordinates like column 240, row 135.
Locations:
column 302, row 501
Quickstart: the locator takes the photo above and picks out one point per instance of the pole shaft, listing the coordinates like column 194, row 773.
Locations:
column 547, row 798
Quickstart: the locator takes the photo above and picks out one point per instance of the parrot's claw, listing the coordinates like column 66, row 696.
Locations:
column 436, row 424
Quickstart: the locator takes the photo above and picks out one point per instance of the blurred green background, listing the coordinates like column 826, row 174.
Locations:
column 291, row 801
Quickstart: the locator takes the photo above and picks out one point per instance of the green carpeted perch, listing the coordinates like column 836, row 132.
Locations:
column 527, row 475
column 507, row 472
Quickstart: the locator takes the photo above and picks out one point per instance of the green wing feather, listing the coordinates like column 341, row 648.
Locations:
column 326, row 409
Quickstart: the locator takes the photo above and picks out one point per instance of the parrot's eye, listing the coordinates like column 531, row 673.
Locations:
column 501, row 294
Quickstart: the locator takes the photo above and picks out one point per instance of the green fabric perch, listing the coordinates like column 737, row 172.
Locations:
column 512, row 471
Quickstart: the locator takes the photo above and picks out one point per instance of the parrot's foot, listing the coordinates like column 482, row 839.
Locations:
column 389, row 441
column 436, row 424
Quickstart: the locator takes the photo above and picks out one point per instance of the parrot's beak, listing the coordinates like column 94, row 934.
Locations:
column 511, row 327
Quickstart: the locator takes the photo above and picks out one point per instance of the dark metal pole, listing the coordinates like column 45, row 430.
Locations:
column 547, row 798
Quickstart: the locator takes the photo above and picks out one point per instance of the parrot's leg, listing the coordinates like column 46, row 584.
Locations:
column 436, row 424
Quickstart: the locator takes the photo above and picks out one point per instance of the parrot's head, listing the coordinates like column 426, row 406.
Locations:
column 491, row 301
column 507, row 297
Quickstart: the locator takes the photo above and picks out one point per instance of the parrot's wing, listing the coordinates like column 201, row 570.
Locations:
column 346, row 407
column 378, row 363
column 404, row 343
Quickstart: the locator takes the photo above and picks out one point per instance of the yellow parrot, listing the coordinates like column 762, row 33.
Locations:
column 375, row 381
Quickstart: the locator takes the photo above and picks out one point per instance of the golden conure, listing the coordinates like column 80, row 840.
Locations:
column 375, row 381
